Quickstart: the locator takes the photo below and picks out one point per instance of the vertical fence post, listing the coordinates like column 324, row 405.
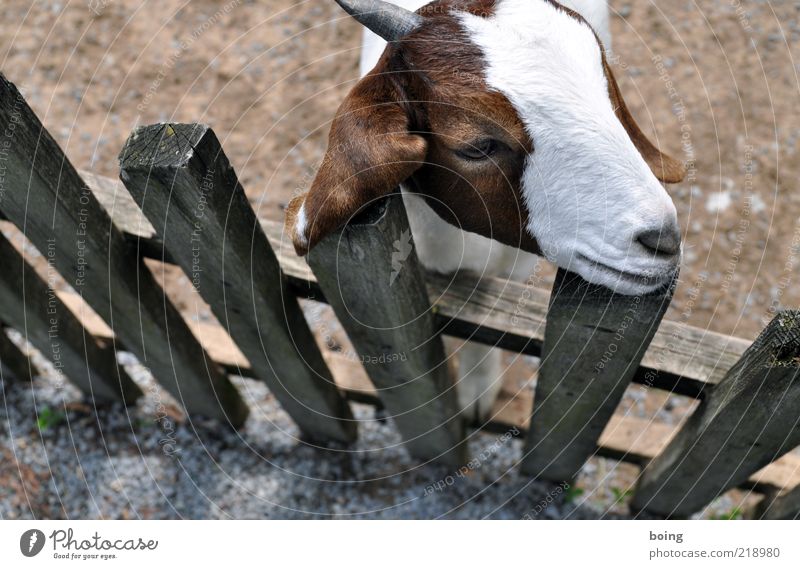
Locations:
column 747, row 421
column 182, row 180
column 593, row 343
column 30, row 306
column 44, row 196
column 370, row 274
column 13, row 361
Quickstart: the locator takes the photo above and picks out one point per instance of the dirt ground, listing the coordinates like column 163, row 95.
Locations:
column 715, row 82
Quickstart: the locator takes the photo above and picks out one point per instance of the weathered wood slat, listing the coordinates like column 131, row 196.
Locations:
column 633, row 440
column 30, row 306
column 185, row 185
column 748, row 421
column 371, row 277
column 681, row 358
column 594, row 341
column 15, row 365
column 44, row 196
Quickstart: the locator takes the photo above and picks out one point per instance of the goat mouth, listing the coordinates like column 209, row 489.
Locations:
column 642, row 279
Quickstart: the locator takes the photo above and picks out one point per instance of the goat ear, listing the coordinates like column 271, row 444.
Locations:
column 370, row 152
column 665, row 168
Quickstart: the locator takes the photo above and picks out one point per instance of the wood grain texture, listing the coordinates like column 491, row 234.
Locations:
column 747, row 422
column 594, row 340
column 183, row 182
column 370, row 275
column 43, row 195
column 30, row 306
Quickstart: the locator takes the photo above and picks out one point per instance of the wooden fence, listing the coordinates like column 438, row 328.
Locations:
column 180, row 202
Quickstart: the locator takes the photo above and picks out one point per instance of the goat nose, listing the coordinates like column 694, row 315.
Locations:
column 665, row 240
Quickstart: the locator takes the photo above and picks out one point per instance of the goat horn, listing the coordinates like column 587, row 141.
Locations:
column 385, row 19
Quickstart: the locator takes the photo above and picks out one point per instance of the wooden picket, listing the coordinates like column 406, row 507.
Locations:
column 14, row 364
column 680, row 358
column 594, row 342
column 183, row 182
column 28, row 304
column 747, row 422
column 388, row 318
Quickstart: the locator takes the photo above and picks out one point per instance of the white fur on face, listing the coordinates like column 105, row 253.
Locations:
column 588, row 190
column 301, row 225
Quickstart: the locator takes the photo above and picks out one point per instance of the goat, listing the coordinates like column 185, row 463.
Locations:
column 505, row 126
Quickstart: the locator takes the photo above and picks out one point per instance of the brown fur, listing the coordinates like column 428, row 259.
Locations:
column 404, row 121
column 370, row 152
column 664, row 167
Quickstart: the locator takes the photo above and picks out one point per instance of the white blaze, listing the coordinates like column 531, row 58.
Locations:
column 588, row 190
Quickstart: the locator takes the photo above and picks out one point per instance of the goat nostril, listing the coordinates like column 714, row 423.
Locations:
column 662, row 241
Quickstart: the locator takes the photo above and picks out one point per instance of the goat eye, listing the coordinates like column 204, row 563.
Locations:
column 479, row 150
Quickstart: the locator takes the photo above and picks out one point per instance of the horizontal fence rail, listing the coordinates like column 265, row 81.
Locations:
column 748, row 421
column 592, row 343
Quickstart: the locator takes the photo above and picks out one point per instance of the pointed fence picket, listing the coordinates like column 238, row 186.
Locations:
column 185, row 185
